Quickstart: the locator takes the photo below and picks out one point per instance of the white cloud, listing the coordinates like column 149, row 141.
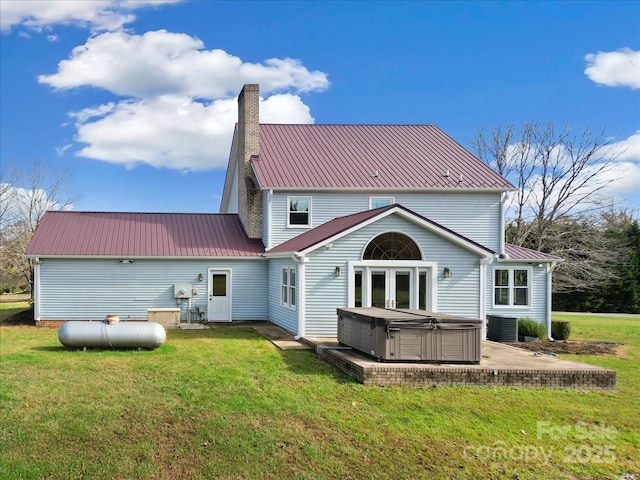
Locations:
column 174, row 131
column 161, row 62
column 614, row 69
column 627, row 150
column 18, row 202
column 622, row 180
column 97, row 15
column 86, row 114
column 60, row 150
column 177, row 101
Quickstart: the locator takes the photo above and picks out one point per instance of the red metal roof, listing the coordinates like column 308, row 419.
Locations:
column 520, row 253
column 327, row 230
column 349, row 156
column 334, row 227
column 142, row 235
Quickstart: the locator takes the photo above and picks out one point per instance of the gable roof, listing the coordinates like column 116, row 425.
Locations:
column 333, row 229
column 414, row 157
column 64, row 233
column 516, row 253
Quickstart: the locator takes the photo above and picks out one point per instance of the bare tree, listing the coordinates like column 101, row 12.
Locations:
column 583, row 242
column 26, row 193
column 557, row 172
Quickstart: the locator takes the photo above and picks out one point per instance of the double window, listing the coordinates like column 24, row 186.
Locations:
column 288, row 287
column 511, row 287
column 299, row 214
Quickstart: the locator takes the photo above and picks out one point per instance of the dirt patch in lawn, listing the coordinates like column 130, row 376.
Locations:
column 21, row 318
column 572, row 347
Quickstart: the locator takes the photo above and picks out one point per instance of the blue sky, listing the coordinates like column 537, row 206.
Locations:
column 137, row 100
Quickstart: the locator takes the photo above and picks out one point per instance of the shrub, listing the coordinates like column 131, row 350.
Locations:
column 560, row 330
column 528, row 327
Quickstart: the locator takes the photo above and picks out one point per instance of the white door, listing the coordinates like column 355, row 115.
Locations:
column 219, row 296
column 391, row 288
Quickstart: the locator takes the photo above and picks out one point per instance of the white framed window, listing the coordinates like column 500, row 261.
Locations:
column 288, row 290
column 512, row 287
column 377, row 202
column 299, row 212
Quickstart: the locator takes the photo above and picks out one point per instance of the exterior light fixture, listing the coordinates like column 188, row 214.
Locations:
column 446, row 273
column 200, row 277
column 338, row 272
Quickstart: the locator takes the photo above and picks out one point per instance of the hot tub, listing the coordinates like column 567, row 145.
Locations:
column 410, row 335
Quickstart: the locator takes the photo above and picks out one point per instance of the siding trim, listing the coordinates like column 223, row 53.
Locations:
column 483, row 296
column 302, row 295
column 36, row 288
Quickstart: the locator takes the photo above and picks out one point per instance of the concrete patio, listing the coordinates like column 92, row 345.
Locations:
column 501, row 365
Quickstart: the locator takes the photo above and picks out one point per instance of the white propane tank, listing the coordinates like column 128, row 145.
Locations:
column 99, row 334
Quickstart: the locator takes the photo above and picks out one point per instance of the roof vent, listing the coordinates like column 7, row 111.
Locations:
column 376, row 174
column 446, row 174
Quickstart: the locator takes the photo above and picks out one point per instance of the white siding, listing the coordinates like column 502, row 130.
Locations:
column 325, row 292
column 85, row 289
column 474, row 215
column 537, row 308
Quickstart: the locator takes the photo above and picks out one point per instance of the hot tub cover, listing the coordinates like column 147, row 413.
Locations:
column 410, row 335
column 389, row 317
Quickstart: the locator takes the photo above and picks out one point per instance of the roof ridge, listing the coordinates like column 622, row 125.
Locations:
column 352, row 124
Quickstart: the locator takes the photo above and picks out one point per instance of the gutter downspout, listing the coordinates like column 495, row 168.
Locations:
column 269, row 203
column 550, row 268
column 36, row 289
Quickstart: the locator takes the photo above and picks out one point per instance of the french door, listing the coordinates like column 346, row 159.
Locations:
column 391, row 287
column 394, row 286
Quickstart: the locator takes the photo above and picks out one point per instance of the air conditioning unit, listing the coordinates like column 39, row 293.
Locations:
column 182, row 290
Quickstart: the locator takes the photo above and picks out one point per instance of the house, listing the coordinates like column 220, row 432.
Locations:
column 312, row 218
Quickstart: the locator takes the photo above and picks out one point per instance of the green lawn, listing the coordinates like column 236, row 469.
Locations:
column 225, row 403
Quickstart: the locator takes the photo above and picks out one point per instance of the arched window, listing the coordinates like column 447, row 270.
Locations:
column 392, row 246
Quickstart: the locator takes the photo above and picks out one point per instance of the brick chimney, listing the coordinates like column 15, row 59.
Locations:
column 249, row 194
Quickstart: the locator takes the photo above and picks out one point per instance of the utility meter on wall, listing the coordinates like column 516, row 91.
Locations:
column 182, row 290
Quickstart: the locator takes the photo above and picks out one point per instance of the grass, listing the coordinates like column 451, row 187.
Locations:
column 225, row 403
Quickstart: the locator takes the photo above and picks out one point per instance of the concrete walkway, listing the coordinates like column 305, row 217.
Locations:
column 280, row 337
